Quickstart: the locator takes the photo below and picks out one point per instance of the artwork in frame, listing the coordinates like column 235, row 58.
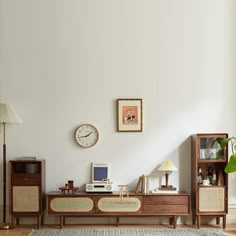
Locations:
column 129, row 115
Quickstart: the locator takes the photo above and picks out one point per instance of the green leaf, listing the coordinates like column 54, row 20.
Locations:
column 231, row 166
column 223, row 141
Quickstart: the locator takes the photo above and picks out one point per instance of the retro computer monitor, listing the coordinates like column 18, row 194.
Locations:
column 100, row 172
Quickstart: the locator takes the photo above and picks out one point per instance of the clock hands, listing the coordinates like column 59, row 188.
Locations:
column 85, row 136
column 88, row 134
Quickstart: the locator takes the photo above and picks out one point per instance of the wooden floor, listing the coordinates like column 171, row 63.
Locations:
column 24, row 231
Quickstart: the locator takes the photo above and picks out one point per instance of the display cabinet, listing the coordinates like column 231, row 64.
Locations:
column 27, row 188
column 209, row 181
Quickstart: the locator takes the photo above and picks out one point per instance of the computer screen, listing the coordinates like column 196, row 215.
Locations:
column 100, row 172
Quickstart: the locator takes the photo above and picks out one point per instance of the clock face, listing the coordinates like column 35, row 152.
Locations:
column 86, row 135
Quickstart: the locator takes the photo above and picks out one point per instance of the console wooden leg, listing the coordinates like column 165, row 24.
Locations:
column 39, row 221
column 61, row 221
column 174, row 222
column 224, row 221
column 217, row 220
column 17, row 220
column 198, row 221
column 117, row 221
column 194, row 219
column 42, row 219
column 12, row 222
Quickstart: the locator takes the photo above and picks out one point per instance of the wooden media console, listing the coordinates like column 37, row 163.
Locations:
column 111, row 204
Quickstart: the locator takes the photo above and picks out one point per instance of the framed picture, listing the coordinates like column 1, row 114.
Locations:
column 129, row 115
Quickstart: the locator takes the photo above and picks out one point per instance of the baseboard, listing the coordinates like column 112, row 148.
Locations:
column 231, row 217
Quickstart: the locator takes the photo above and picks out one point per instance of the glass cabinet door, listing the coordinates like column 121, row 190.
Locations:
column 210, row 149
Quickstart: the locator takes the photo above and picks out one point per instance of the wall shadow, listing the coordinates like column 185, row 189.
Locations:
column 185, row 166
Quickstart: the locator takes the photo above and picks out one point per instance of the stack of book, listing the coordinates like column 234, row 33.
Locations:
column 143, row 184
column 160, row 190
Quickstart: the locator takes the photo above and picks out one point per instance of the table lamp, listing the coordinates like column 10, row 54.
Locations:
column 7, row 115
column 167, row 167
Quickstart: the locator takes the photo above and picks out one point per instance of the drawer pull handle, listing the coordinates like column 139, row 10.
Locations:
column 25, row 178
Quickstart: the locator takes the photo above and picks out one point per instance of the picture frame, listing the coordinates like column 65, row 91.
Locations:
column 129, row 115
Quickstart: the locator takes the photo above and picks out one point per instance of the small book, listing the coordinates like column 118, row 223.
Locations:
column 164, row 191
column 167, row 189
column 139, row 184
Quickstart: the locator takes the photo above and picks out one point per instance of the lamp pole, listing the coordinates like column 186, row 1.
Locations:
column 4, row 225
column 4, row 173
column 7, row 115
column 167, row 177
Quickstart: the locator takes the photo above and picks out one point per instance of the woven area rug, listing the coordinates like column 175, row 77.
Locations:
column 127, row 232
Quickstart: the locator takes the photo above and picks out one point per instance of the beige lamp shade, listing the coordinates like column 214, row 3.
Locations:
column 167, row 166
column 8, row 114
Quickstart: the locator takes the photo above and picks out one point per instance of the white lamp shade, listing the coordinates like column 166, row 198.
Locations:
column 167, row 166
column 8, row 114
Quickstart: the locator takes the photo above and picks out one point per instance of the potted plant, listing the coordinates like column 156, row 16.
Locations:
column 223, row 142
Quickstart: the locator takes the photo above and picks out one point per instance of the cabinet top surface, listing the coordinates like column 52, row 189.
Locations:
column 27, row 161
column 211, row 134
column 133, row 194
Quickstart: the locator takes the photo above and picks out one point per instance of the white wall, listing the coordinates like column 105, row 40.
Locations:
column 64, row 63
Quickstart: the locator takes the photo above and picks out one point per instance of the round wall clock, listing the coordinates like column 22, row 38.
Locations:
column 86, row 135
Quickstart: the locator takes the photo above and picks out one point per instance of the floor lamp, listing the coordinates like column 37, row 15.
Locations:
column 7, row 115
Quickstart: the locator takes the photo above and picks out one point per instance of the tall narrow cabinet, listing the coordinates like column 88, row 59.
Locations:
column 27, row 189
column 209, row 181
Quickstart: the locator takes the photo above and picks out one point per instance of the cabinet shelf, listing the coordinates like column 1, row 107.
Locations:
column 212, row 161
column 211, row 186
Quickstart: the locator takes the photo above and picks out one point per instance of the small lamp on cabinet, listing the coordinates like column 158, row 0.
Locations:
column 168, row 167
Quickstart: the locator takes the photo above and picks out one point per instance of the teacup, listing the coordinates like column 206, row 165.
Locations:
column 205, row 182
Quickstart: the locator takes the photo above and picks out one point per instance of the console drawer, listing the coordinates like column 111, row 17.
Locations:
column 166, row 200
column 165, row 209
column 26, row 180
